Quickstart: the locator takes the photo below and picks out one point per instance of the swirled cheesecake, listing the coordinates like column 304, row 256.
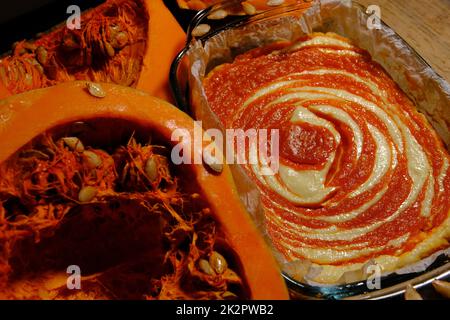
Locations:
column 363, row 177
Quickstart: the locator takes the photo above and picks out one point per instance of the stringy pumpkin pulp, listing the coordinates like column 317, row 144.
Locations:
column 125, row 216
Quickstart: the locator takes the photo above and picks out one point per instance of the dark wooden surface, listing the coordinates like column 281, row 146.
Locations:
column 424, row 24
column 43, row 18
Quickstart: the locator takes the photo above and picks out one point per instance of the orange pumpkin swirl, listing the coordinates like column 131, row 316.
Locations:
column 363, row 176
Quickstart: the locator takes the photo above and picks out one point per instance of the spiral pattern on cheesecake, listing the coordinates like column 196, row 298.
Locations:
column 362, row 175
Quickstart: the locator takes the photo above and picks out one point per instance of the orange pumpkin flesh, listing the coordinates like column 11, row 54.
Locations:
column 121, row 41
column 57, row 111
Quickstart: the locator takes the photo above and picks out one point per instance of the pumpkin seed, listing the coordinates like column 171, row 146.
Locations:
column 36, row 65
column 113, row 28
column 41, row 55
column 20, row 70
column 218, row 262
column 411, row 293
column 13, row 73
column 109, row 49
column 19, row 50
column 201, row 30
column 40, row 69
column 274, row 3
column 120, row 40
column 20, row 218
column 443, row 287
column 96, row 90
column 3, row 77
column 92, row 159
column 212, row 162
column 49, row 151
column 151, row 169
column 32, row 153
column 28, row 79
column 74, row 143
column 249, row 8
column 206, row 267
column 231, row 277
column 86, row 194
column 228, row 295
column 218, row 15
column 29, row 46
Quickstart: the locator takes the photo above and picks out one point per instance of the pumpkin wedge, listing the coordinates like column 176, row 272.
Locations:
column 87, row 186
column 127, row 42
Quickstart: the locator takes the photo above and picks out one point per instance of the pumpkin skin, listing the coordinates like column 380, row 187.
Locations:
column 25, row 116
column 166, row 39
column 153, row 38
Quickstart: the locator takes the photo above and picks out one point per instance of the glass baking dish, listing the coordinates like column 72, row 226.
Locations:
column 429, row 91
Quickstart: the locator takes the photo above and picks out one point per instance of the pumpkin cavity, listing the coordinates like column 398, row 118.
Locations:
column 135, row 224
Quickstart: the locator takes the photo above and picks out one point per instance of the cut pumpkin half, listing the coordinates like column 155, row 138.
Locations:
column 93, row 207
column 126, row 42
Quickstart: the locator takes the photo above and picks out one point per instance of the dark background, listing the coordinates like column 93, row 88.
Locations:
column 23, row 19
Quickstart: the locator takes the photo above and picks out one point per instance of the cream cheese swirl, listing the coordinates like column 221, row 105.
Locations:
column 362, row 174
